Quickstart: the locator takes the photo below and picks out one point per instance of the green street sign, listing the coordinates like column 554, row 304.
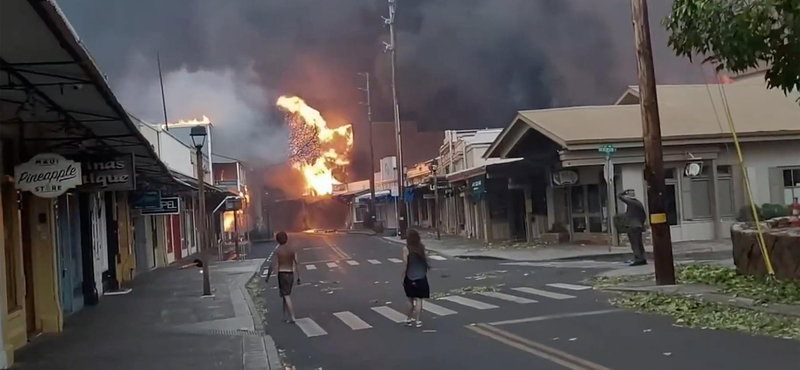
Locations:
column 607, row 148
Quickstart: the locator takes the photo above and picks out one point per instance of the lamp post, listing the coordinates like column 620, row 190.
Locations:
column 198, row 135
column 433, row 167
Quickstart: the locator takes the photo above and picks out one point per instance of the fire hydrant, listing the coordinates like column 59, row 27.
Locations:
column 795, row 213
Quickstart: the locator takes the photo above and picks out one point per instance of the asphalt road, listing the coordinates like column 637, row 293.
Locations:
column 545, row 318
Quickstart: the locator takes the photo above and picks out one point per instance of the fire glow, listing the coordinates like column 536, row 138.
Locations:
column 313, row 145
column 192, row 122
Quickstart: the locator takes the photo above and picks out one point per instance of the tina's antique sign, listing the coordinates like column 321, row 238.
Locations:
column 47, row 175
column 110, row 173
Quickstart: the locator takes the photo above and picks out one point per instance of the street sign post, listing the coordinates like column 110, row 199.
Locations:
column 608, row 172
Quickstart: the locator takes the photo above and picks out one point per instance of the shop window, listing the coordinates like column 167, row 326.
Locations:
column 791, row 178
column 701, row 198
column 726, row 200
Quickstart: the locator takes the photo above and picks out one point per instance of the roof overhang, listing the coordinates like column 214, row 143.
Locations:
column 513, row 133
column 52, row 90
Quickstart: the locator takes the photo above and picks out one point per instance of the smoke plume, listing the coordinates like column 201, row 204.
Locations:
column 461, row 63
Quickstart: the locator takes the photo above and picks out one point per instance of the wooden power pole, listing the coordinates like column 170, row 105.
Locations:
column 654, row 161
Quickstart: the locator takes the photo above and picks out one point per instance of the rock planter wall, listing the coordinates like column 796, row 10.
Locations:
column 782, row 242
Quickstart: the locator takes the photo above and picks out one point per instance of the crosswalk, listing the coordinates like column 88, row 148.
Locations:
column 443, row 307
column 310, row 266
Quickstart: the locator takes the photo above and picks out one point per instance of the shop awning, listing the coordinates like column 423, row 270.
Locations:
column 379, row 196
column 464, row 175
column 53, row 91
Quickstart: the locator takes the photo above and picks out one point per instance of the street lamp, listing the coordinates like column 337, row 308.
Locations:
column 198, row 135
column 433, row 166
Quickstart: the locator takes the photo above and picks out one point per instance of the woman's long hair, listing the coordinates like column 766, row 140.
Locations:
column 415, row 246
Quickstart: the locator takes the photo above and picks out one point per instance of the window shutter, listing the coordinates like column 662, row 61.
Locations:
column 686, row 197
column 776, row 186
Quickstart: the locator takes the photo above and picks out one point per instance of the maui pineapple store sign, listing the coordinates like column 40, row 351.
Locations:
column 48, row 175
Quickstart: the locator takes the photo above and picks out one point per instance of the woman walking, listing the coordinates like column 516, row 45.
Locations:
column 415, row 277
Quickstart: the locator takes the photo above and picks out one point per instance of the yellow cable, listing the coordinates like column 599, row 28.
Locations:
column 762, row 244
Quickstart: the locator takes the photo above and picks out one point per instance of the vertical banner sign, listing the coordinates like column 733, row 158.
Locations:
column 47, row 175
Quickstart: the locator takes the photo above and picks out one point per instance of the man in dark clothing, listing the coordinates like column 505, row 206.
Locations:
column 637, row 218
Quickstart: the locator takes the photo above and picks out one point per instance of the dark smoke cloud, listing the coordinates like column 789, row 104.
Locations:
column 461, row 63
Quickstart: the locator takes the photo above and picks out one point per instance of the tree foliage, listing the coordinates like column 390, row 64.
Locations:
column 739, row 35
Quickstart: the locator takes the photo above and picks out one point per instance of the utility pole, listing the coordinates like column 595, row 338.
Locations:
column 391, row 46
column 654, row 161
column 371, row 151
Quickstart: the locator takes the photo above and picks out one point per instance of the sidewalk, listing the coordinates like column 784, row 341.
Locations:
column 163, row 324
column 458, row 247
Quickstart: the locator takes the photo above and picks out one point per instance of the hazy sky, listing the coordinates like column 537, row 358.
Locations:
column 461, row 63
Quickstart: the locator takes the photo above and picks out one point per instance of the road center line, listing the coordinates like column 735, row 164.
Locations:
column 522, row 347
column 578, row 362
column 553, row 317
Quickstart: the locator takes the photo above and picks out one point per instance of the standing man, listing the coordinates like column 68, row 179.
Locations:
column 636, row 219
column 287, row 267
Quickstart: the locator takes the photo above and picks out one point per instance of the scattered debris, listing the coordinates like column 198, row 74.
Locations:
column 647, row 330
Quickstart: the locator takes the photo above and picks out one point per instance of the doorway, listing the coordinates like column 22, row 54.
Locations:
column 68, row 240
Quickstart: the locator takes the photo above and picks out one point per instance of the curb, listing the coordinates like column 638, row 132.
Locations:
column 270, row 351
column 710, row 294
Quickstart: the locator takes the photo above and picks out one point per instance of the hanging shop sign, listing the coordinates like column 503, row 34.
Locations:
column 233, row 204
column 47, row 175
column 477, row 186
column 112, row 173
column 169, row 206
column 565, row 178
column 147, row 199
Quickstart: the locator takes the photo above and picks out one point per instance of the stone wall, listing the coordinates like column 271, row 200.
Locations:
column 782, row 242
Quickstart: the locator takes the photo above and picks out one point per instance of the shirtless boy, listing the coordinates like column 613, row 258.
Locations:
column 286, row 260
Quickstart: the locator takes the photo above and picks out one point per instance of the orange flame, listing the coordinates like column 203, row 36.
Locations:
column 319, row 173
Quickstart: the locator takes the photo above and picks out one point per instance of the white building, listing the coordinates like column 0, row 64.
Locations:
column 695, row 129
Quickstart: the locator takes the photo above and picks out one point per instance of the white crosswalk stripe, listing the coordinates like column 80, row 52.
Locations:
column 569, row 286
column 390, row 314
column 352, row 263
column 438, row 258
column 437, row 310
column 395, row 260
column 374, row 262
column 543, row 293
column 468, row 302
column 351, row 320
column 311, row 267
column 332, row 265
column 508, row 297
column 310, row 328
